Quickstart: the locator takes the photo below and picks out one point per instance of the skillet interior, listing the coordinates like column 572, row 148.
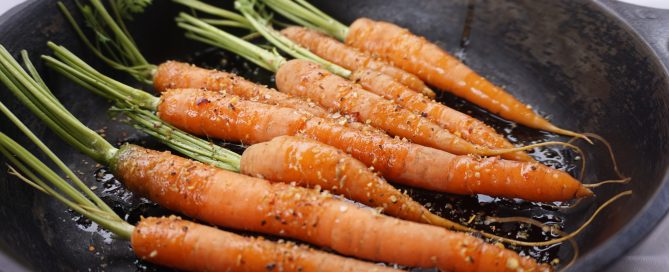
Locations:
column 569, row 59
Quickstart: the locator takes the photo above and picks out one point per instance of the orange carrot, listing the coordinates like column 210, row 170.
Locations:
column 242, row 202
column 170, row 241
column 370, row 75
column 307, row 79
column 458, row 123
column 171, row 75
column 420, row 57
column 377, row 111
column 227, row 117
column 417, row 55
column 351, row 58
column 178, row 75
column 167, row 241
column 313, row 164
column 189, row 246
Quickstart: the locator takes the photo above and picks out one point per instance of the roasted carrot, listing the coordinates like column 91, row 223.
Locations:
column 351, row 58
column 228, row 199
column 377, row 111
column 241, row 202
column 366, row 187
column 310, row 163
column 434, row 65
column 186, row 245
column 181, row 75
column 460, row 124
column 170, row 75
column 420, row 57
column 349, row 177
column 178, row 75
column 307, row 79
column 226, row 116
column 171, row 241
column 374, row 81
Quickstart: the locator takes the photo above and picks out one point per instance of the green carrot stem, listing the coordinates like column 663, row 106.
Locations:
column 82, row 200
column 202, row 31
column 76, row 69
column 42, row 102
column 303, row 13
column 123, row 39
column 122, row 52
column 28, row 165
column 55, row 159
column 226, row 23
column 216, row 11
column 182, row 142
column 246, row 7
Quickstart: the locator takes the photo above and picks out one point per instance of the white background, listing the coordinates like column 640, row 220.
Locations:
column 651, row 255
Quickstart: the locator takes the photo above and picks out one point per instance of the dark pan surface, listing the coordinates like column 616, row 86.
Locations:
column 572, row 59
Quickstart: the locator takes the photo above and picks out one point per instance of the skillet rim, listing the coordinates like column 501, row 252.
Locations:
column 623, row 241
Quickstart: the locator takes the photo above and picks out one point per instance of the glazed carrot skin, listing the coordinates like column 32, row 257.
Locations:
column 189, row 246
column 435, row 66
column 312, row 164
column 242, row 202
column 458, row 123
column 351, row 58
column 178, row 75
column 227, row 117
column 306, row 79
column 436, row 170
column 369, row 76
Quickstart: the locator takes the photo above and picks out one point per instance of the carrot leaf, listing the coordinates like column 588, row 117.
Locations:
column 137, row 105
column 303, row 13
column 199, row 30
column 262, row 24
column 111, row 39
column 231, row 18
column 43, row 103
column 68, row 64
column 126, row 8
column 34, row 172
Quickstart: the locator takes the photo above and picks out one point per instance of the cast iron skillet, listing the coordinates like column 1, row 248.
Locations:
column 597, row 66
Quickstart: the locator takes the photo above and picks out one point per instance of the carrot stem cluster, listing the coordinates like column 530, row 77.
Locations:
column 303, row 13
column 113, row 43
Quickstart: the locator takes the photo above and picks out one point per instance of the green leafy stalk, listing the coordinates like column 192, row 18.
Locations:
column 231, row 18
column 33, row 172
column 76, row 69
column 303, row 13
column 123, row 9
column 198, row 30
column 203, row 32
column 263, row 26
column 112, row 42
column 23, row 128
column 134, row 103
column 42, row 103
